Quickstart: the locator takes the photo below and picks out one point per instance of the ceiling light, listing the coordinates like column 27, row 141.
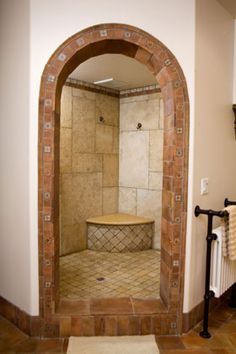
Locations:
column 103, row 81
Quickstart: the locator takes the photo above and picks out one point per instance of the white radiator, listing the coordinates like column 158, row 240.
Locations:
column 223, row 271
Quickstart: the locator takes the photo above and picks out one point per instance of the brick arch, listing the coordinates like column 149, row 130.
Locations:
column 137, row 44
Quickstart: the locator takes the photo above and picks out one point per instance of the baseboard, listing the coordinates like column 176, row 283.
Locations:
column 191, row 318
column 28, row 324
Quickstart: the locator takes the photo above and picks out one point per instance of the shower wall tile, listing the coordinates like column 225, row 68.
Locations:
column 146, row 112
column 83, row 94
column 156, row 150
column 155, row 180
column 83, row 125
column 74, row 238
column 104, row 138
column 83, row 162
column 110, row 170
column 66, row 107
column 108, row 108
column 110, row 200
column 65, row 150
column 161, row 121
column 149, row 204
column 87, row 195
column 67, row 202
column 116, row 140
column 127, row 200
column 134, row 150
column 88, row 162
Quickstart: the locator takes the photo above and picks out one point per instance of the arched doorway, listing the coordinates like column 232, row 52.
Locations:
column 95, row 318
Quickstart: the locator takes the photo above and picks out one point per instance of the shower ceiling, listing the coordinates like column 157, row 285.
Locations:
column 127, row 73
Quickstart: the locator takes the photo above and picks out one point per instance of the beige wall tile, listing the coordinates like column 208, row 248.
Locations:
column 104, row 138
column 161, row 121
column 145, row 112
column 110, row 170
column 65, row 149
column 73, row 239
column 156, row 150
column 66, row 107
column 110, row 200
column 149, row 204
column 108, row 108
column 82, row 162
column 116, row 140
column 155, row 180
column 87, row 195
column 83, row 93
column 67, row 202
column 83, row 125
column 127, row 200
column 134, row 152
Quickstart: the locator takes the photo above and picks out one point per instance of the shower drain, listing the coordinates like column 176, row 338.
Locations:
column 100, row 279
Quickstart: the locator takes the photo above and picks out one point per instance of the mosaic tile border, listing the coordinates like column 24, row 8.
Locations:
column 135, row 43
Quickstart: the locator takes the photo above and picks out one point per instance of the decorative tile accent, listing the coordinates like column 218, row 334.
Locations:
column 48, row 102
column 51, row 78
column 47, row 217
column 122, row 238
column 47, row 195
column 47, row 125
column 103, row 33
column 61, row 57
column 177, row 83
column 179, row 130
column 80, row 41
column 177, row 219
column 173, row 325
column 167, row 62
column 47, row 149
column 179, row 152
column 47, row 284
column 175, row 263
column 178, row 198
column 127, row 34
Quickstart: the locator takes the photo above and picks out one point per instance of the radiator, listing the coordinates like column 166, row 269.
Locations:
column 223, row 271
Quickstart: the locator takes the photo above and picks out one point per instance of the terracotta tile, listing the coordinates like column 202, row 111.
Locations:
column 111, row 306
column 169, row 342
column 148, row 306
column 74, row 307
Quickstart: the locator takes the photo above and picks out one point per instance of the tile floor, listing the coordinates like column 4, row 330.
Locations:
column 222, row 328
column 90, row 274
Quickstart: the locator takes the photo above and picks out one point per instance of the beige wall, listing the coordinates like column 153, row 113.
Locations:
column 141, row 158
column 88, row 163
column 18, row 248
column 234, row 91
column 214, row 142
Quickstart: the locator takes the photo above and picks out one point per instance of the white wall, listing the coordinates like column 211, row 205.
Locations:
column 214, row 142
column 234, row 92
column 52, row 22
column 15, row 256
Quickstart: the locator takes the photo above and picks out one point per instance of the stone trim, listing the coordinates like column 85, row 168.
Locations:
column 137, row 91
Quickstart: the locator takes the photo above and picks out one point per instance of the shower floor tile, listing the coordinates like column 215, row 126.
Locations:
column 92, row 274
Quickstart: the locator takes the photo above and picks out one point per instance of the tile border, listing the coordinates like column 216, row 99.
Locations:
column 137, row 44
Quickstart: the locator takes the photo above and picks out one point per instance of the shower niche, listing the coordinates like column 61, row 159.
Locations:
column 111, row 173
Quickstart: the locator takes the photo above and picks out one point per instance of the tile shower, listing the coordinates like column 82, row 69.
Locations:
column 107, row 166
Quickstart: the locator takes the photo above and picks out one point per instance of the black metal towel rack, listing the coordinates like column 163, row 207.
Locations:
column 209, row 238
